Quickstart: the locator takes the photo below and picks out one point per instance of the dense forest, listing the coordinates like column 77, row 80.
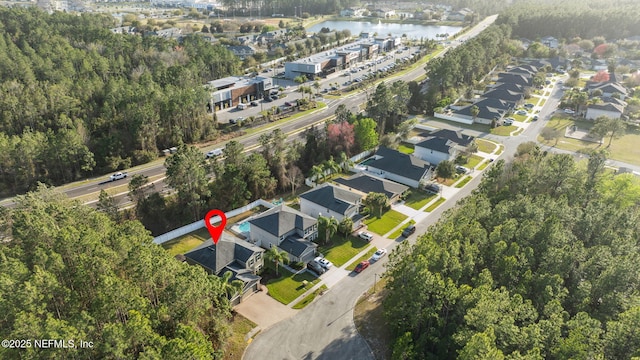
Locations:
column 540, row 262
column 567, row 20
column 78, row 99
column 69, row 273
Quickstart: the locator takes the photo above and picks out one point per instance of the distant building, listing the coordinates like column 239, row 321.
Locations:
column 399, row 167
column 233, row 90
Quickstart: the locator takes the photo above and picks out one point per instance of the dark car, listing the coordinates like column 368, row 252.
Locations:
column 254, row 103
column 432, row 188
column 408, row 230
column 315, row 267
column 363, row 265
column 274, row 97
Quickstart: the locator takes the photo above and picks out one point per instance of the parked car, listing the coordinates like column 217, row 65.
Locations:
column 316, row 267
column 528, row 105
column 521, row 112
column 434, row 188
column 118, row 176
column 378, row 254
column 408, row 230
column 461, row 169
column 289, row 103
column 507, row 122
column 569, row 111
column 214, row 153
column 323, row 262
column 242, row 106
column 274, row 97
column 254, row 103
column 236, row 120
column 535, row 118
column 363, row 265
column 365, row 236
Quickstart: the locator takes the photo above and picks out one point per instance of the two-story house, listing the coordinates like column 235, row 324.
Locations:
column 242, row 259
column 288, row 229
column 331, row 201
column 399, row 167
column 442, row 145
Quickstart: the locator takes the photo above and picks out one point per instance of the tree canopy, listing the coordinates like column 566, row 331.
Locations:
column 539, row 262
column 68, row 271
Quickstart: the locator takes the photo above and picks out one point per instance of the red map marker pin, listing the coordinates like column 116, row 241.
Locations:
column 215, row 231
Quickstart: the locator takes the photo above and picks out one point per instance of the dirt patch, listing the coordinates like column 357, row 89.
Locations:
column 371, row 324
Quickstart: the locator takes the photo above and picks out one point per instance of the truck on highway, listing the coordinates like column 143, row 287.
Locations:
column 118, row 176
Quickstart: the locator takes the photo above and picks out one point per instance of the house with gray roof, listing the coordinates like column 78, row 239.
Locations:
column 399, row 167
column 608, row 89
column 366, row 183
column 506, row 95
column 329, row 200
column 611, row 109
column 290, row 230
column 507, row 86
column 243, row 259
column 489, row 109
column 442, row 145
column 520, row 79
column 242, row 51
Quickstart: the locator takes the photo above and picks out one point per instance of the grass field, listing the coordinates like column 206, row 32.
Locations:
column 483, row 165
column 187, row 242
column 309, row 298
column 341, row 250
column 473, row 161
column 486, row 146
column 235, row 344
column 289, row 286
column 435, row 204
column 388, row 221
column 503, row 130
column 418, row 199
column 463, row 182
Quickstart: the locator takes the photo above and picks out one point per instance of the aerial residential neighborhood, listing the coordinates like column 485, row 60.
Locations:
column 280, row 180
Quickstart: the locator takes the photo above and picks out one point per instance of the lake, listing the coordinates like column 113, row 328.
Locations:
column 412, row 31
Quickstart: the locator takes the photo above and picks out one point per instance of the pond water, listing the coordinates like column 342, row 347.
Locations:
column 412, row 31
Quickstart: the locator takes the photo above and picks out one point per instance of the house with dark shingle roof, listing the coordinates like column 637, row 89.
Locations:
column 507, row 86
column 611, row 110
column 331, row 201
column 442, row 145
column 489, row 109
column 288, row 229
column 399, row 167
column 506, row 95
column 608, row 89
column 366, row 184
column 520, row 79
column 243, row 259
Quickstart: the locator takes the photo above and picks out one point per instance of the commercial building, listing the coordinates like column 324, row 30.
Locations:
column 233, row 90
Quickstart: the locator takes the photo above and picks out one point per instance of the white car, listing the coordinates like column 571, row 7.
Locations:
column 378, row 254
column 365, row 236
column 118, row 176
column 323, row 262
column 214, row 153
column 521, row 112
column 569, row 111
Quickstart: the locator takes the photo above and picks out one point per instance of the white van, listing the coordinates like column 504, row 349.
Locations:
column 242, row 106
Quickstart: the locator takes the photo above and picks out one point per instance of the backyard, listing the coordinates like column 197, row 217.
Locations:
column 386, row 223
column 340, row 250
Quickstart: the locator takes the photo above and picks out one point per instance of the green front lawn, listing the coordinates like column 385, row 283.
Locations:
column 289, row 286
column 418, row 199
column 309, row 298
column 340, row 250
column 463, row 182
column 435, row 204
column 503, row 130
column 486, row 146
column 473, row 161
column 388, row 221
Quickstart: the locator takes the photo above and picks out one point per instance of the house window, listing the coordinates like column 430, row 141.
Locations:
column 258, row 256
column 251, row 262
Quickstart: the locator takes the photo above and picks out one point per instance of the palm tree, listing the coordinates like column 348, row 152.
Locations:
column 332, row 165
column 316, row 85
column 330, row 226
column 277, row 256
column 231, row 287
column 317, row 173
column 344, row 161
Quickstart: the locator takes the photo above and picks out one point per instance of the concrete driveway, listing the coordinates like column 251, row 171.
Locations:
column 264, row 310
